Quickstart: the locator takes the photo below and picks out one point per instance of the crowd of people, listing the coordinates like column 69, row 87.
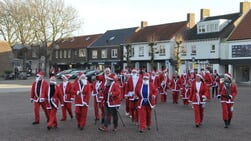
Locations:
column 140, row 92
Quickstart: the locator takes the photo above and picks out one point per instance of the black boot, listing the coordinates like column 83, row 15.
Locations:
column 229, row 122
column 226, row 123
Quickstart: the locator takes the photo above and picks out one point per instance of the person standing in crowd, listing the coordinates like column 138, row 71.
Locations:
column 185, row 93
column 38, row 90
column 81, row 93
column 216, row 84
column 146, row 93
column 154, row 78
column 53, row 97
column 163, row 85
column 208, row 80
column 227, row 94
column 131, row 85
column 198, row 97
column 176, row 85
column 112, row 102
column 66, row 90
column 97, row 93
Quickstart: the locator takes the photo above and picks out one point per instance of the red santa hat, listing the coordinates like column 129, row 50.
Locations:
column 111, row 77
column 146, row 76
column 100, row 77
column 66, row 76
column 80, row 75
column 153, row 72
column 228, row 75
column 199, row 75
column 40, row 73
column 134, row 70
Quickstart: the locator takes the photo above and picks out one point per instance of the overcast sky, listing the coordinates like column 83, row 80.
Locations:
column 98, row 16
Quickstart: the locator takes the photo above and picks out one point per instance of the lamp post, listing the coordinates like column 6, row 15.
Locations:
column 152, row 44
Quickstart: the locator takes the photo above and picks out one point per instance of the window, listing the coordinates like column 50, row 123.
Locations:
column 141, row 51
column 162, row 50
column 61, row 54
column 94, row 54
column 82, row 52
column 212, row 49
column 132, row 52
column 69, row 53
column 114, row 53
column 65, row 53
column 193, row 52
column 34, row 55
column 56, row 54
column 183, row 51
column 75, row 52
column 103, row 53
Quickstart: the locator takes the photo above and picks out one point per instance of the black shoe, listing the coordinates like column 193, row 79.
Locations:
column 197, row 125
column 81, row 128
column 35, row 122
column 49, row 128
column 71, row 116
column 226, row 123
column 141, row 131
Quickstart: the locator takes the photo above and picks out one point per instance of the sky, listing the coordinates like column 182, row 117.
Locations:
column 98, row 16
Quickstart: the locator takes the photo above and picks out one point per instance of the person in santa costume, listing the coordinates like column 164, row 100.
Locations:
column 208, row 79
column 146, row 92
column 81, row 94
column 112, row 101
column 198, row 98
column 154, row 78
column 227, row 94
column 53, row 97
column 176, row 85
column 185, row 93
column 163, row 85
column 97, row 93
column 216, row 84
column 130, row 93
column 38, row 90
column 66, row 90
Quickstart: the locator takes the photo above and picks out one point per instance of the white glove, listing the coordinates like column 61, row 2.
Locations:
column 62, row 105
column 78, row 92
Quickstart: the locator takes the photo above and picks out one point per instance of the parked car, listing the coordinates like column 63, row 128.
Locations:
column 59, row 75
column 91, row 75
column 74, row 74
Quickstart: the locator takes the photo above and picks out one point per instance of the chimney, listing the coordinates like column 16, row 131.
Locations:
column 190, row 20
column 204, row 13
column 244, row 7
column 143, row 24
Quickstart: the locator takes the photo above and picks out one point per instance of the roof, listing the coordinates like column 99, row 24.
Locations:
column 158, row 32
column 5, row 47
column 224, row 33
column 114, row 37
column 243, row 30
column 78, row 41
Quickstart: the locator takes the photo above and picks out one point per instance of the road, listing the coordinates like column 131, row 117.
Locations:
column 175, row 121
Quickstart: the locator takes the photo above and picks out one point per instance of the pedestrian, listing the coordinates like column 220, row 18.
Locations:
column 38, row 90
column 81, row 93
column 198, row 97
column 66, row 92
column 97, row 93
column 227, row 94
column 112, row 100
column 163, row 85
column 146, row 92
column 53, row 98
column 176, row 85
column 216, row 84
column 185, row 93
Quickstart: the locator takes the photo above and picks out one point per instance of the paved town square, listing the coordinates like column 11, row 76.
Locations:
column 175, row 121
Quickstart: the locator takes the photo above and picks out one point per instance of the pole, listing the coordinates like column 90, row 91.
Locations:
column 120, row 117
column 156, row 121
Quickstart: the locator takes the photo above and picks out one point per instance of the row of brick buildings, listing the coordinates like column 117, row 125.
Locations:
column 222, row 42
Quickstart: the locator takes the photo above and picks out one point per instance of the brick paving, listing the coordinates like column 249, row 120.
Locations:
column 175, row 121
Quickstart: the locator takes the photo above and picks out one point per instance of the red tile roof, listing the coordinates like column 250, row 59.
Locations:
column 158, row 32
column 5, row 47
column 78, row 42
column 243, row 30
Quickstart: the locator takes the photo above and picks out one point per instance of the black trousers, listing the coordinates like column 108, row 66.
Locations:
column 111, row 111
column 214, row 91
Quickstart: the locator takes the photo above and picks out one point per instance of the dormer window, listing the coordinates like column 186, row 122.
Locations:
column 212, row 26
column 112, row 38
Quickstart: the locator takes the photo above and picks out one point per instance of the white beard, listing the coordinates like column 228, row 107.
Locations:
column 84, row 81
column 37, row 79
column 146, row 82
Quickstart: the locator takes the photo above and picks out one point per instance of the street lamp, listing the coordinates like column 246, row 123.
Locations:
column 152, row 44
column 177, row 54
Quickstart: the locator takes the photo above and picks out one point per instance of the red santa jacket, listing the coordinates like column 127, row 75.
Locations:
column 155, row 80
column 66, row 91
column 208, row 79
column 223, row 93
column 199, row 93
column 97, row 90
column 81, row 94
column 39, row 96
column 113, row 95
column 130, row 90
column 164, row 83
column 152, row 93
column 185, row 92
column 53, row 97
column 176, row 84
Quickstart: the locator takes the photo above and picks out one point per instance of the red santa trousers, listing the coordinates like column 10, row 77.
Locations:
column 198, row 113
column 53, row 118
column 163, row 97
column 81, row 114
column 37, row 111
column 66, row 108
column 175, row 95
column 226, row 110
column 145, row 117
column 98, row 107
column 133, row 110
